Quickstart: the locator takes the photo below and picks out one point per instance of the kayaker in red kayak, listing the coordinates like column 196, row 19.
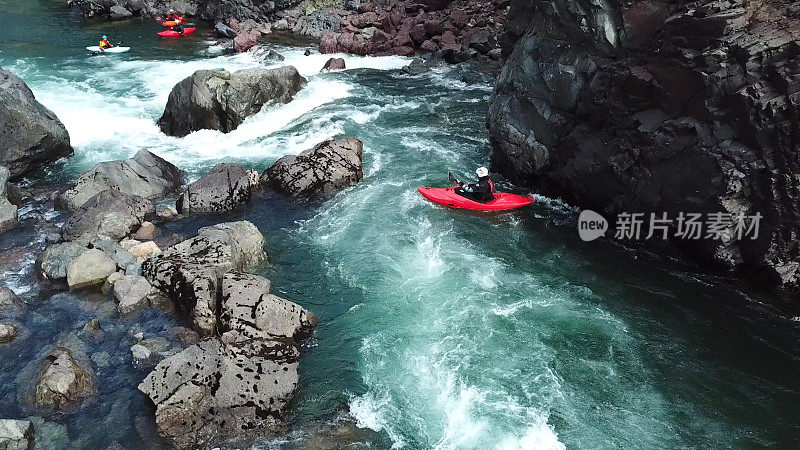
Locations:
column 104, row 44
column 482, row 191
column 172, row 15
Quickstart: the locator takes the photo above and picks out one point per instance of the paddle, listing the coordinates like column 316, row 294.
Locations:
column 452, row 179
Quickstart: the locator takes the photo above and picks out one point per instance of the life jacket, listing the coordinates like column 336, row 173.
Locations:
column 104, row 43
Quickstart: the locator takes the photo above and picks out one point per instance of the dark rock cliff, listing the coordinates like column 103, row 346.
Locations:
column 660, row 106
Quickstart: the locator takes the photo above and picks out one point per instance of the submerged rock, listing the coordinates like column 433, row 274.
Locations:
column 90, row 268
column 8, row 211
column 9, row 301
column 224, row 188
column 110, row 213
column 145, row 175
column 190, row 271
column 15, row 434
column 220, row 100
column 324, row 169
column 62, row 380
column 30, row 134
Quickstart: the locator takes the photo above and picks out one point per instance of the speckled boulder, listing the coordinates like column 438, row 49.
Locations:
column 223, row 388
column 324, row 169
column 189, row 272
column 224, row 188
column 62, row 380
column 248, row 308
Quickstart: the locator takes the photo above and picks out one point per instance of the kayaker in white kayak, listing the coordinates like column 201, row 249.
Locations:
column 482, row 191
column 104, row 44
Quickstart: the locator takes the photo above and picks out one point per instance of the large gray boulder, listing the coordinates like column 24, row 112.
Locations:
column 62, row 379
column 224, row 188
column 248, row 308
column 8, row 211
column 131, row 293
column 110, row 213
column 15, row 434
column 661, row 107
column 222, row 388
column 190, row 272
column 324, row 169
column 30, row 134
column 146, row 175
column 219, row 100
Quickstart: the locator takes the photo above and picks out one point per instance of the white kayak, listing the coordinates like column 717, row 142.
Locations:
column 96, row 49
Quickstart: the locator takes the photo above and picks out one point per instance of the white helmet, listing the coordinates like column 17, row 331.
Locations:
column 482, row 172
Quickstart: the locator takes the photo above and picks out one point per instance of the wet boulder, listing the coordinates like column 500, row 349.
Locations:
column 62, row 380
column 324, row 169
column 30, row 134
column 334, row 64
column 219, row 100
column 9, row 301
column 224, row 188
column 190, row 272
column 8, row 211
column 110, row 213
column 145, row 174
column 8, row 331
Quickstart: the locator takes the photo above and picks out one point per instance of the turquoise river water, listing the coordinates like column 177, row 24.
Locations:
column 438, row 328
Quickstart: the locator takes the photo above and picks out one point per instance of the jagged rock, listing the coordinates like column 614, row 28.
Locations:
column 62, row 380
column 226, row 187
column 660, row 107
column 334, row 64
column 232, row 387
column 220, row 100
column 110, row 213
column 56, row 257
column 8, row 331
column 324, row 169
column 190, row 271
column 90, row 268
column 249, row 309
column 146, row 175
column 8, row 211
column 224, row 30
column 245, row 41
column 30, row 134
column 131, row 293
column 15, row 434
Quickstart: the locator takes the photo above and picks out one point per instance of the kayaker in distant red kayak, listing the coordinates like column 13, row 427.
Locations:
column 482, row 191
column 172, row 15
column 104, row 44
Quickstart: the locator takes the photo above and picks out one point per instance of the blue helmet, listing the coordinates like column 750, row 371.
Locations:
column 105, row 37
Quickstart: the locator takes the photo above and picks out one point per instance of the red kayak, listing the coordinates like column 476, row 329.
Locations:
column 447, row 197
column 173, row 33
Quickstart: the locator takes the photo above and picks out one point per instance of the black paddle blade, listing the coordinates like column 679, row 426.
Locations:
column 452, row 178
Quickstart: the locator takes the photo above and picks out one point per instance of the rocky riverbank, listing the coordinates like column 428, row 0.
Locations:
column 232, row 375
column 662, row 107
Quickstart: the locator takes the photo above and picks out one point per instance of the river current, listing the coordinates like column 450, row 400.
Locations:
column 438, row 328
